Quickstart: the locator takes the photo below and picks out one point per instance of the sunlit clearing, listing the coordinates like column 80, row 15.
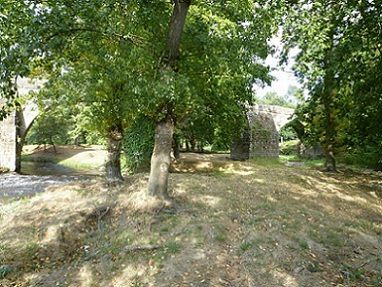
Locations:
column 141, row 201
column 87, row 157
column 204, row 165
column 285, row 279
column 85, row 276
column 51, row 234
column 211, row 201
column 130, row 274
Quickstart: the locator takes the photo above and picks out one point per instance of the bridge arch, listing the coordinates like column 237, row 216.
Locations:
column 261, row 137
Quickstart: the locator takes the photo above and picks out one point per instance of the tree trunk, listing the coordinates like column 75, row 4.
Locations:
column 178, row 19
column 161, row 159
column 330, row 129
column 330, row 162
column 193, row 144
column 328, row 100
column 176, row 146
column 113, row 163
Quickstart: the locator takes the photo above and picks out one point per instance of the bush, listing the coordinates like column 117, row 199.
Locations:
column 138, row 144
column 368, row 156
column 289, row 147
column 288, row 133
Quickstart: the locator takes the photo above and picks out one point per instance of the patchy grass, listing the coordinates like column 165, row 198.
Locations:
column 256, row 223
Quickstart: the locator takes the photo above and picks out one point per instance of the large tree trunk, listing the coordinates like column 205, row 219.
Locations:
column 161, row 159
column 113, row 163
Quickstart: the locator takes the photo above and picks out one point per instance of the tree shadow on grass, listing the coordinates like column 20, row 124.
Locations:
column 265, row 227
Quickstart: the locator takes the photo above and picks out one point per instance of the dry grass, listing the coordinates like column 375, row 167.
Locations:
column 230, row 224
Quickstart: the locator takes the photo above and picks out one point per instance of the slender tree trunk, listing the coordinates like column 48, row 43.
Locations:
column 161, row 159
column 330, row 162
column 113, row 162
column 328, row 100
column 193, row 144
column 176, row 146
column 329, row 139
column 19, row 148
column 330, row 128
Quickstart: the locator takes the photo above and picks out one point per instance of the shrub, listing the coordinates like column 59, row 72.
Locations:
column 138, row 144
column 289, row 147
column 368, row 156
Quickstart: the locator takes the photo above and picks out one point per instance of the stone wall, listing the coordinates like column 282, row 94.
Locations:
column 262, row 136
column 241, row 146
column 8, row 142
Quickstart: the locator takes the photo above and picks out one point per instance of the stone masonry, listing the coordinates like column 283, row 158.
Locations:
column 8, row 142
column 261, row 138
column 13, row 129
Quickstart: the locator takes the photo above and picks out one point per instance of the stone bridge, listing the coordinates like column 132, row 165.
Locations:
column 14, row 128
column 261, row 138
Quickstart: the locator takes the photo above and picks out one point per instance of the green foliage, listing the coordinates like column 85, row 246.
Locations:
column 352, row 274
column 45, row 128
column 246, row 245
column 289, row 147
column 367, row 156
column 288, row 133
column 138, row 144
column 340, row 62
column 4, row 271
column 106, row 57
column 173, row 247
column 304, row 245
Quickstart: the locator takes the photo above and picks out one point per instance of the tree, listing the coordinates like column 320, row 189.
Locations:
column 89, row 55
column 160, row 160
column 109, row 52
column 338, row 47
column 214, row 73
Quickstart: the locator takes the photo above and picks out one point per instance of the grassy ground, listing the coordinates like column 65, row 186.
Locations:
column 257, row 223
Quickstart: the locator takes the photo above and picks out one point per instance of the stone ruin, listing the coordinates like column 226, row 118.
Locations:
column 261, row 137
column 15, row 126
column 8, row 142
